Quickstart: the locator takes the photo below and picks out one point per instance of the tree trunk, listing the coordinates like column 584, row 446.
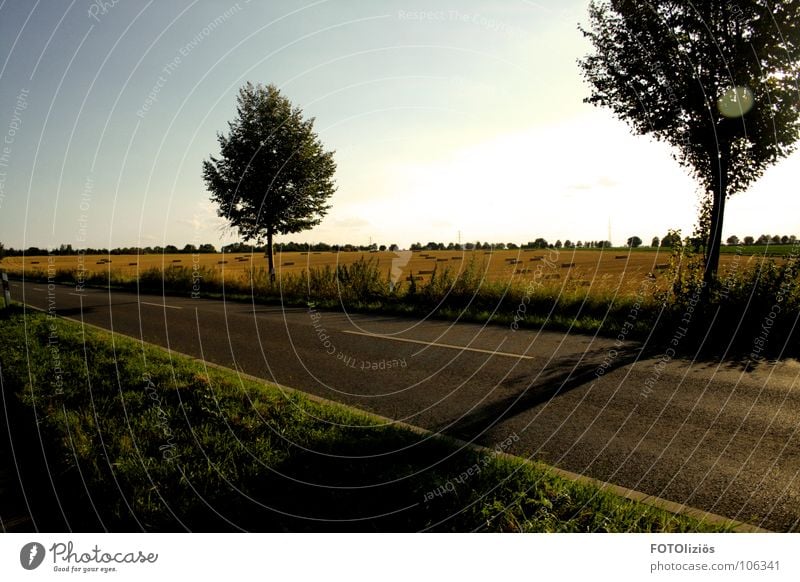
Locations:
column 715, row 226
column 270, row 260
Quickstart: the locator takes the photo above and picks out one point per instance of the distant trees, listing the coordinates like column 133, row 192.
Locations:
column 634, row 242
column 394, row 248
column 733, row 240
column 539, row 243
column 655, row 242
column 748, row 240
column 671, row 239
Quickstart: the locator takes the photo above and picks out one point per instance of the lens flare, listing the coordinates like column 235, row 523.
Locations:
column 735, row 102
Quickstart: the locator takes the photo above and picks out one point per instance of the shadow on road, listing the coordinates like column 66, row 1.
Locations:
column 567, row 375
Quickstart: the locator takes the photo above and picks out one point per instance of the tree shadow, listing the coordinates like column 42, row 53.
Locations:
column 565, row 376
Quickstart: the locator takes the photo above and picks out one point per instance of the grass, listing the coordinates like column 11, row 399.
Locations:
column 146, row 440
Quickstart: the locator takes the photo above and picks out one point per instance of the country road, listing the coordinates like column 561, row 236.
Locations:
column 707, row 434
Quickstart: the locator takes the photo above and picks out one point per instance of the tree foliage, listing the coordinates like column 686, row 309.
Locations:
column 716, row 79
column 273, row 175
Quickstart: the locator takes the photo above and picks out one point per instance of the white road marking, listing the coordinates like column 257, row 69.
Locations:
column 435, row 345
column 160, row 305
column 37, row 289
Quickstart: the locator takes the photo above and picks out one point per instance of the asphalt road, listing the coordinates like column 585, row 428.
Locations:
column 707, row 434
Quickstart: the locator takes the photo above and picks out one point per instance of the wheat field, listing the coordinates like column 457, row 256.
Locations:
column 599, row 269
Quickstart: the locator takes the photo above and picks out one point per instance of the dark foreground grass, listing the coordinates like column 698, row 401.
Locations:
column 135, row 438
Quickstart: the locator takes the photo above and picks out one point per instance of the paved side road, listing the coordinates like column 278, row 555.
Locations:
column 705, row 434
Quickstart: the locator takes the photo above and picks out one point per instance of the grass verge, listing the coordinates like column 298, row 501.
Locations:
column 134, row 438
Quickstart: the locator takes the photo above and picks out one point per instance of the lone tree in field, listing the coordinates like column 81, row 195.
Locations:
column 716, row 79
column 273, row 175
column 634, row 242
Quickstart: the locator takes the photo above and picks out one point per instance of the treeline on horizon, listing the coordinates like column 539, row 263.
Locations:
column 671, row 239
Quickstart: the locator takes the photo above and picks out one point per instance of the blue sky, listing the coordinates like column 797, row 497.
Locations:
column 446, row 117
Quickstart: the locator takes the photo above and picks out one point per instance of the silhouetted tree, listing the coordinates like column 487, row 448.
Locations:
column 716, row 79
column 748, row 240
column 655, row 242
column 273, row 175
column 733, row 240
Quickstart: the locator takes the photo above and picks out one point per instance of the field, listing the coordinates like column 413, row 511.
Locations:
column 600, row 270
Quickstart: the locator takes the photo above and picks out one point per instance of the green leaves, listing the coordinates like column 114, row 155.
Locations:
column 273, row 175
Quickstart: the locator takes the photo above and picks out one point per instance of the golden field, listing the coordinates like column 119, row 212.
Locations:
column 600, row 269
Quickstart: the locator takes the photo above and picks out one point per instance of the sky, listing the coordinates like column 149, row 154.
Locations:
column 448, row 119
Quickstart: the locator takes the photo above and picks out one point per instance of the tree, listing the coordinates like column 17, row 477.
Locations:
column 558, row 244
column 655, row 242
column 273, row 175
column 763, row 239
column 733, row 240
column 393, row 247
column 748, row 240
column 2, row 251
column 671, row 239
column 716, row 79
column 634, row 242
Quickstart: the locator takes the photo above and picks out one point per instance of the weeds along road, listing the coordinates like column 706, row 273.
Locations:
column 706, row 434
